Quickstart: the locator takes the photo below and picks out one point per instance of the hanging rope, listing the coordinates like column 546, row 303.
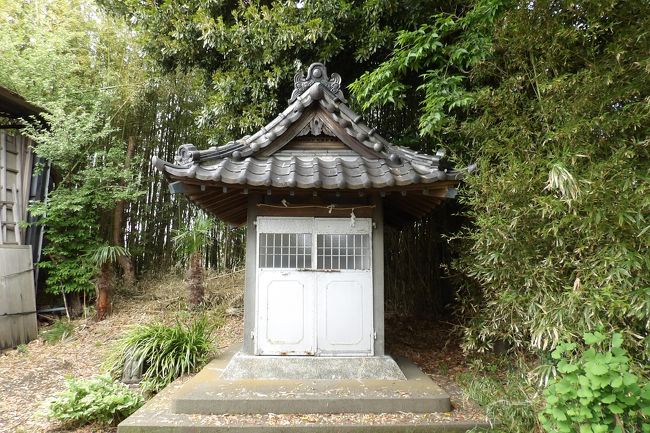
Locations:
column 330, row 208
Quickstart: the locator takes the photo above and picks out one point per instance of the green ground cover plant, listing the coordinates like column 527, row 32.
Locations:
column 165, row 352
column 596, row 390
column 97, row 400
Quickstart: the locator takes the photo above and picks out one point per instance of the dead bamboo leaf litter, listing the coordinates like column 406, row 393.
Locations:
column 29, row 378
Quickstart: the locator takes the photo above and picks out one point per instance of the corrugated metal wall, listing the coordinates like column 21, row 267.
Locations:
column 15, row 176
column 17, row 299
column 17, row 296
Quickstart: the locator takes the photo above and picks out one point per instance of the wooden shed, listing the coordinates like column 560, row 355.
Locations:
column 20, row 247
column 314, row 188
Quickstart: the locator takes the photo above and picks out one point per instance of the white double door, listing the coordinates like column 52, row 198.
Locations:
column 314, row 286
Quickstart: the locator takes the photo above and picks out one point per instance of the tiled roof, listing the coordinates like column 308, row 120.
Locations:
column 14, row 106
column 358, row 157
column 327, row 172
column 240, row 162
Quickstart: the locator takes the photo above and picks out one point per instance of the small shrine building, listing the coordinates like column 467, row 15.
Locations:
column 315, row 189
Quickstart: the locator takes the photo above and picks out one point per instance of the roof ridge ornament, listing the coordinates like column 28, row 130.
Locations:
column 316, row 73
column 187, row 153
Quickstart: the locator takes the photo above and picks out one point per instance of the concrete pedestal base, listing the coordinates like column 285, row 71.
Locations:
column 209, row 393
column 243, row 367
column 198, row 404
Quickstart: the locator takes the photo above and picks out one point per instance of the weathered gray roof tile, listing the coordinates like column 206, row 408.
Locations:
column 239, row 162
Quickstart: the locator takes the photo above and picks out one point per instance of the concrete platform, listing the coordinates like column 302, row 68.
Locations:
column 243, row 366
column 207, row 393
column 156, row 416
column 208, row 403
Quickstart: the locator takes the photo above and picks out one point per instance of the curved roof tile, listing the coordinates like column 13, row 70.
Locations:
column 240, row 162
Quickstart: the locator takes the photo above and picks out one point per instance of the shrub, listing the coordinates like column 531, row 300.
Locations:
column 595, row 391
column 165, row 352
column 99, row 399
column 60, row 330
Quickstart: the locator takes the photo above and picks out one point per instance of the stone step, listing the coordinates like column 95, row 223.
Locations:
column 312, row 367
column 157, row 417
column 208, row 394
column 208, row 403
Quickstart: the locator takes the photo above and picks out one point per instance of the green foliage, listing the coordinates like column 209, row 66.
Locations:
column 560, row 197
column 71, row 233
column 197, row 236
column 504, row 393
column 107, row 254
column 250, row 50
column 97, row 400
column 441, row 51
column 60, row 330
column 165, row 352
column 596, row 391
column 549, row 100
column 72, row 216
column 79, row 64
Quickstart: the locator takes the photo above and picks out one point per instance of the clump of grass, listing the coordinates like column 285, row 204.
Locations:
column 60, row 330
column 164, row 352
column 510, row 402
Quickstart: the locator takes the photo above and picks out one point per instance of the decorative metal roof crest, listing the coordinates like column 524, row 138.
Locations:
column 316, row 73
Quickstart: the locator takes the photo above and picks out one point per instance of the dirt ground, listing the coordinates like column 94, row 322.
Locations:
column 29, row 378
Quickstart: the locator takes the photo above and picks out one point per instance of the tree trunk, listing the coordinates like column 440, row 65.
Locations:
column 195, row 283
column 75, row 308
column 104, row 292
column 128, row 273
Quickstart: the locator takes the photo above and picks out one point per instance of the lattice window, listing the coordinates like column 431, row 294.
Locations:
column 343, row 251
column 285, row 250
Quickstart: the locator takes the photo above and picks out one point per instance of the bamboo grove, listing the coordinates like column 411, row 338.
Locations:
column 549, row 99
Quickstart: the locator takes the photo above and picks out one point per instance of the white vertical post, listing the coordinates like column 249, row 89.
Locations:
column 19, row 214
column 3, row 186
column 16, row 213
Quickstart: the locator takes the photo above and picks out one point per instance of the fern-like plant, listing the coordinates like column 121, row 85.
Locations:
column 164, row 352
column 192, row 240
column 99, row 400
column 104, row 256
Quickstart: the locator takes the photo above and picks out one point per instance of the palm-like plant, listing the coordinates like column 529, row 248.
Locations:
column 192, row 240
column 104, row 256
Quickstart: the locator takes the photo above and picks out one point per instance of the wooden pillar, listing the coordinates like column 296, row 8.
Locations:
column 3, row 187
column 251, row 276
column 378, row 273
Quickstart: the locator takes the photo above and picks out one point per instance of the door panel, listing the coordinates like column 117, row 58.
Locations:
column 286, row 313
column 314, row 286
column 344, row 313
column 344, row 286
